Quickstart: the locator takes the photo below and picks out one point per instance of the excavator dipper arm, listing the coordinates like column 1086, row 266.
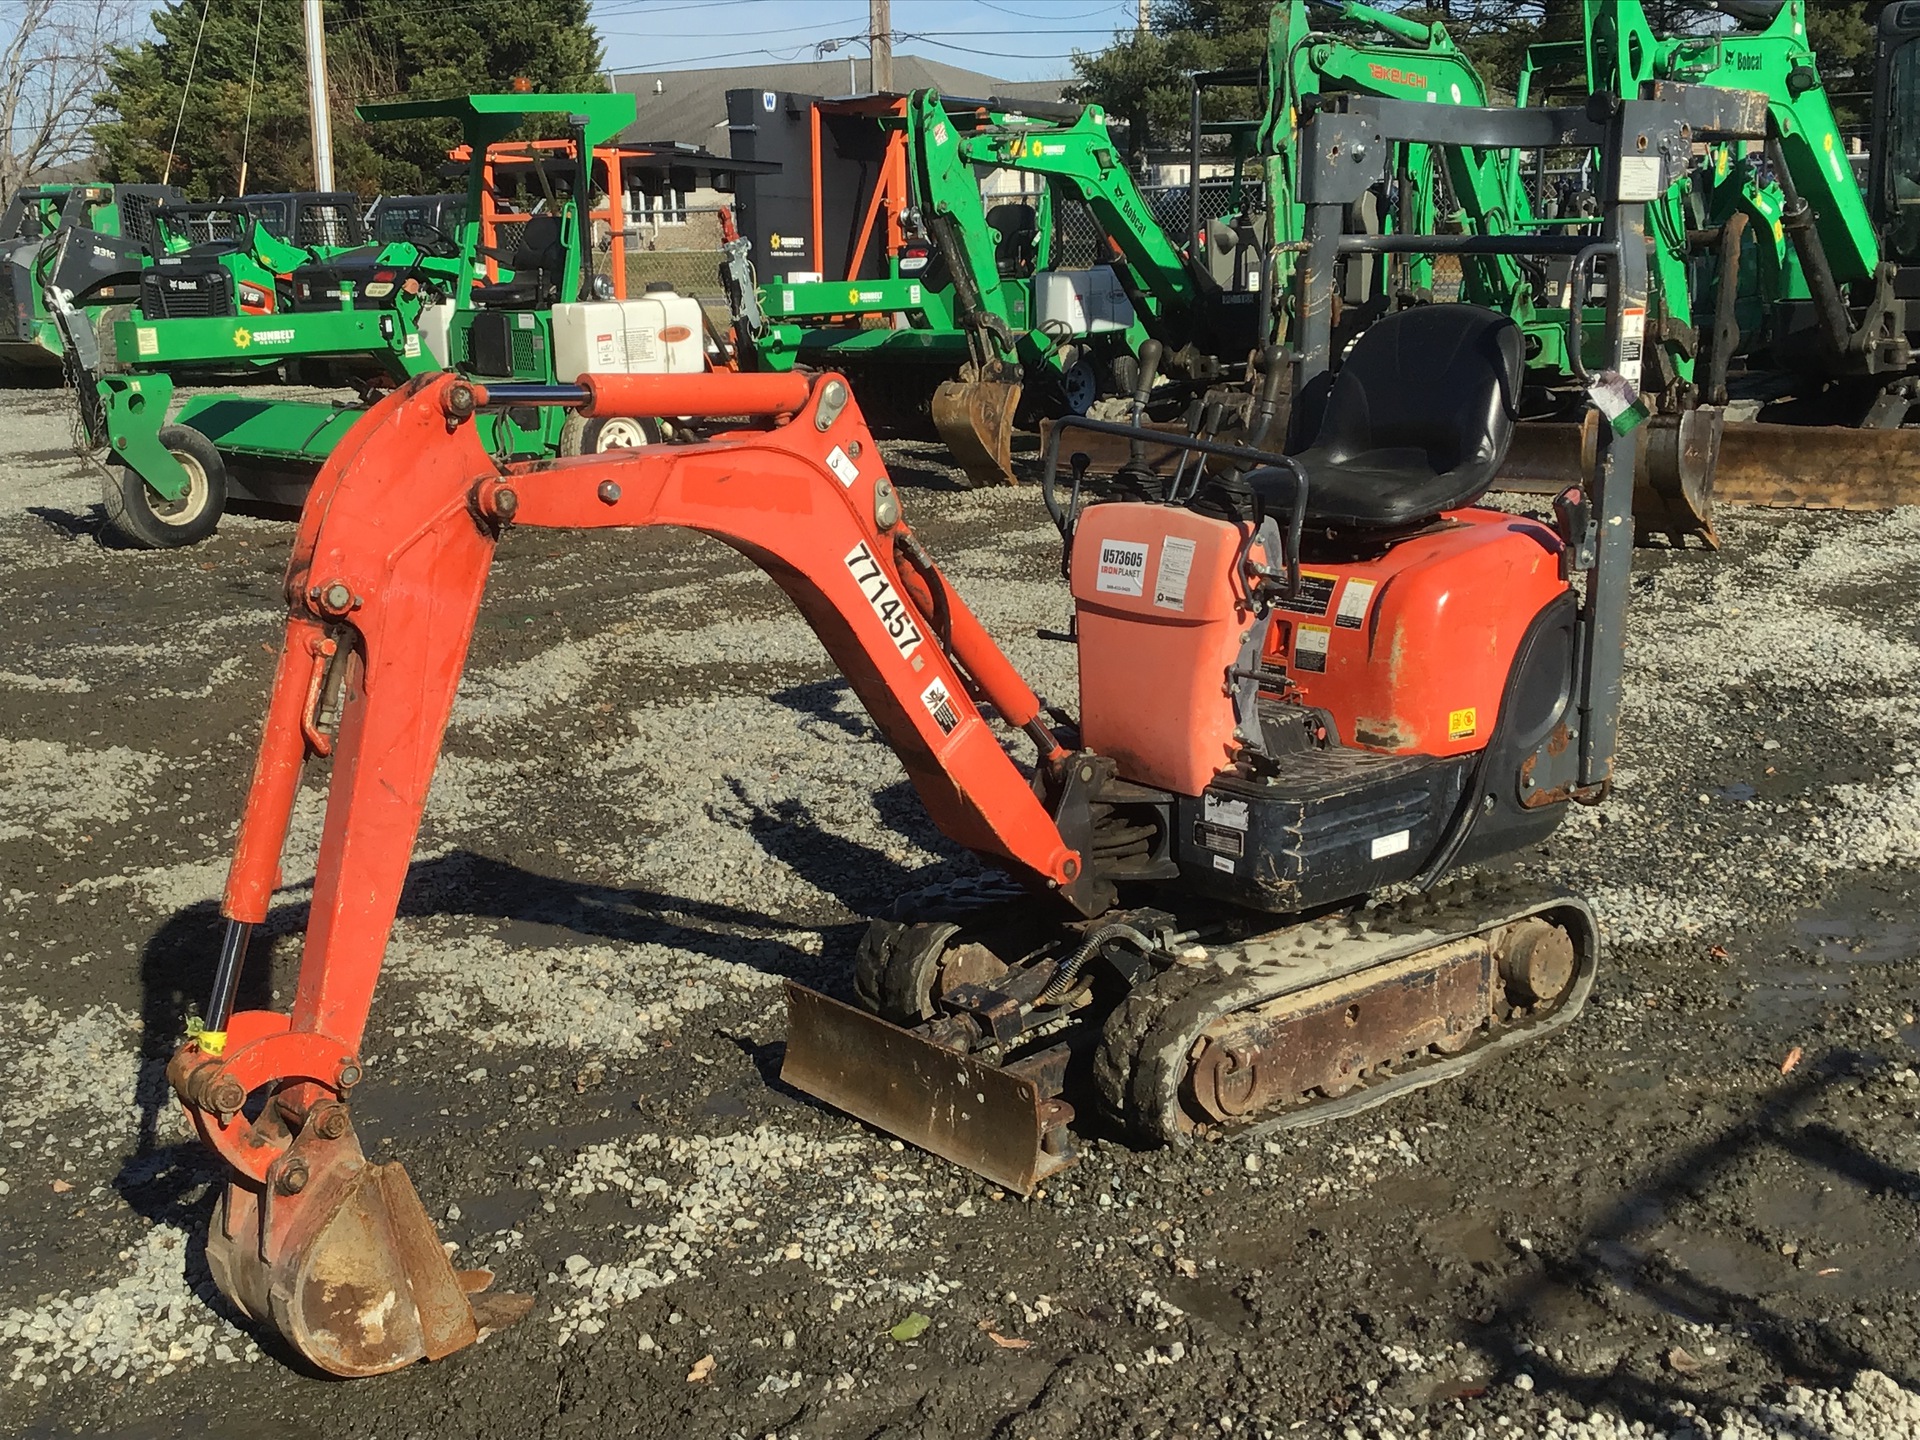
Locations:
column 384, row 586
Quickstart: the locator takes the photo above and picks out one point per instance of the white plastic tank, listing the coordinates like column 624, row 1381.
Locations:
column 661, row 333
column 1084, row 302
column 436, row 319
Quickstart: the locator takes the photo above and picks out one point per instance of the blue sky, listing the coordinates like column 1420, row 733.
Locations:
column 1009, row 39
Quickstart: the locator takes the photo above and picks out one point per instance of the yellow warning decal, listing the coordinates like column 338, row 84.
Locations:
column 1463, row 724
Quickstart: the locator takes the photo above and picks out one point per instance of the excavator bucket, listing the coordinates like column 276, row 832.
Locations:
column 975, row 419
column 339, row 1258
column 999, row 1122
column 1673, row 479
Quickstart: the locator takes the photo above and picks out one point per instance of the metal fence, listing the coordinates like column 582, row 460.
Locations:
column 1079, row 240
column 680, row 246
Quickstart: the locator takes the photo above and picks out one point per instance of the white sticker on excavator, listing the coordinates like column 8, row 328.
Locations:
column 1231, row 813
column 1354, row 601
column 1170, row 578
column 148, row 339
column 1633, row 336
column 1123, row 568
column 895, row 618
column 939, row 704
column 1639, row 178
column 1394, row 844
column 841, row 464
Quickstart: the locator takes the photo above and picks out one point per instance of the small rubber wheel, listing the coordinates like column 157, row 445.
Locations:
column 581, row 436
column 1079, row 387
column 895, row 967
column 138, row 517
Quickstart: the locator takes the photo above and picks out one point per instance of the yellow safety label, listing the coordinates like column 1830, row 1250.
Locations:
column 1463, row 724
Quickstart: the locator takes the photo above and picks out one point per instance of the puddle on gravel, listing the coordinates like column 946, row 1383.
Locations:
column 1789, row 974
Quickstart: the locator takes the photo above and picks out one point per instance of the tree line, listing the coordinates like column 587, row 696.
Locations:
column 215, row 96
column 220, row 87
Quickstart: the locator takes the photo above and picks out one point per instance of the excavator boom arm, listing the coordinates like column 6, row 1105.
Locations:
column 386, row 579
column 385, row 582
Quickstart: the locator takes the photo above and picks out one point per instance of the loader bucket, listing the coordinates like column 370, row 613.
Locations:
column 975, row 419
column 347, row 1268
column 998, row 1123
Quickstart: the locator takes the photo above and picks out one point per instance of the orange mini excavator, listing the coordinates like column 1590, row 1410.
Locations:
column 1303, row 680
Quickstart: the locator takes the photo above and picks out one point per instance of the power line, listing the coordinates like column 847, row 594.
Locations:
column 173, row 145
column 810, row 29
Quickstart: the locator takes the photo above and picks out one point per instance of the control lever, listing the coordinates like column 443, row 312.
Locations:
column 1205, row 426
column 1267, row 403
column 1150, row 353
column 1573, row 514
column 1136, row 474
column 1196, row 417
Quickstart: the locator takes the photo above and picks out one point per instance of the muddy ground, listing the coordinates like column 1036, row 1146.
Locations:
column 658, row 800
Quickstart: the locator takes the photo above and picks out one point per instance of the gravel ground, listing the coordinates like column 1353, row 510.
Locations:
column 658, row 800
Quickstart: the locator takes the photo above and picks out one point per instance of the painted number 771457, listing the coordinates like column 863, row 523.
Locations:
column 892, row 611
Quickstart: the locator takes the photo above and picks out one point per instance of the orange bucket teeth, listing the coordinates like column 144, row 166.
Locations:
column 338, row 1257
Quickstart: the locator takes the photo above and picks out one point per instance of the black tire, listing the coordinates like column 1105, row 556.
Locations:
column 139, row 518
column 110, row 362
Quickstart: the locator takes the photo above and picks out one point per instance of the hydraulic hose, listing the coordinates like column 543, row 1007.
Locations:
column 1067, row 977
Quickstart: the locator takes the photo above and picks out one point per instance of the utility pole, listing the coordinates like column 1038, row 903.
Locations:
column 1141, row 29
column 319, row 121
column 880, row 44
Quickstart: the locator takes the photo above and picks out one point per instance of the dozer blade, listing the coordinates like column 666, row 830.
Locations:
column 998, row 1123
column 975, row 419
column 339, row 1258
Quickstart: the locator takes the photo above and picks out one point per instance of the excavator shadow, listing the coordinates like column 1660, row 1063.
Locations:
column 177, row 963
column 1622, row 1249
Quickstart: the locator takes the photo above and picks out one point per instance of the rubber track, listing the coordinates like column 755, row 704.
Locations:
column 1118, row 1069
column 1146, row 1042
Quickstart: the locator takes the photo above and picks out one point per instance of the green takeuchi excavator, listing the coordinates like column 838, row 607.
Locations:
column 547, row 316
column 1776, row 262
column 1776, row 277
column 951, row 301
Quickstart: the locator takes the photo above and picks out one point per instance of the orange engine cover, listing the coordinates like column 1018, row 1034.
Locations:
column 1160, row 625
column 1410, row 652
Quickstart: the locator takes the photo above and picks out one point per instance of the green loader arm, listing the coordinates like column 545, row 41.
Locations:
column 948, row 190
column 1624, row 53
column 1082, row 157
column 1414, row 61
column 1832, row 246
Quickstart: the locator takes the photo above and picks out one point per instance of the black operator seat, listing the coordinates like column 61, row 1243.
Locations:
column 537, row 258
column 1417, row 421
column 1017, row 237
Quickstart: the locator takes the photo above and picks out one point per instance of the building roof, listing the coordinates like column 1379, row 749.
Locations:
column 690, row 106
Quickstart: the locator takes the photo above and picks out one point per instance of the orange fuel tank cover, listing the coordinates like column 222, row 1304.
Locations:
column 1161, row 624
